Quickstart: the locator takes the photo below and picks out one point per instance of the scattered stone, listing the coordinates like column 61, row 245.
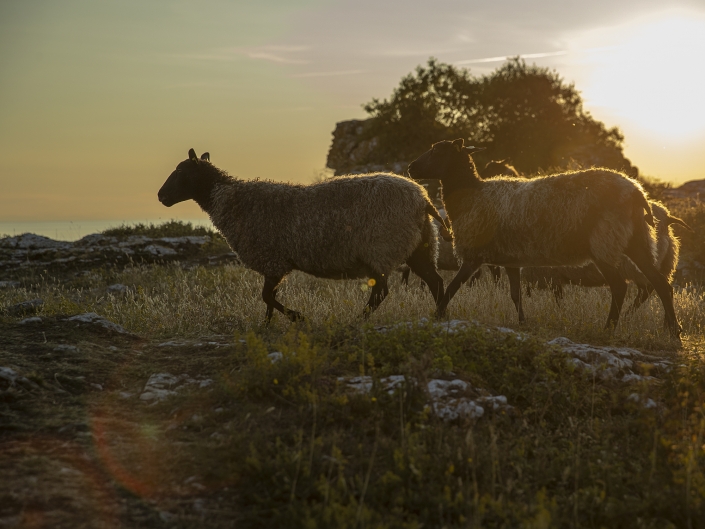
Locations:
column 160, row 251
column 30, row 241
column 99, row 387
column 33, row 319
column 9, row 284
column 449, row 399
column 644, row 401
column 118, row 288
column 196, row 240
column 620, row 363
column 275, row 357
column 26, row 307
column 33, row 251
column 93, row 318
column 66, row 348
column 161, row 386
column 171, row 344
column 10, row 378
column 125, row 394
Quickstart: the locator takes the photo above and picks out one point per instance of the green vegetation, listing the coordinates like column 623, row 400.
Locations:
column 172, row 228
column 288, row 444
column 525, row 113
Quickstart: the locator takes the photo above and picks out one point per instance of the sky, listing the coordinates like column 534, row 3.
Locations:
column 100, row 100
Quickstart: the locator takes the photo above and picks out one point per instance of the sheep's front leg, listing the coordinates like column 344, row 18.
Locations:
column 379, row 292
column 271, row 284
column 514, row 275
column 618, row 287
column 467, row 269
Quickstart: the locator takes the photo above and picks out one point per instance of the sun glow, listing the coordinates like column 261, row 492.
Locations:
column 651, row 74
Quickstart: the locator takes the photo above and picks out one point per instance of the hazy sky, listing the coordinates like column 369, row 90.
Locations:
column 100, row 100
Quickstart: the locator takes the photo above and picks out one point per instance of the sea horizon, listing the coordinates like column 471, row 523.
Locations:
column 73, row 230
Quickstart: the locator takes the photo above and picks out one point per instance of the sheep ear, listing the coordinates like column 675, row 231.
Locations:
column 470, row 150
column 458, row 144
column 206, row 156
column 192, row 155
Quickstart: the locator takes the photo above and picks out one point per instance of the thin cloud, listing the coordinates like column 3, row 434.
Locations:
column 273, row 53
column 328, row 74
column 523, row 56
column 267, row 56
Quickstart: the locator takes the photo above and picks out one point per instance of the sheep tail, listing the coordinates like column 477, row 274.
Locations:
column 648, row 216
column 446, row 232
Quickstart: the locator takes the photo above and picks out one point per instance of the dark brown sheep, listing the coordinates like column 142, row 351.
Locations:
column 568, row 219
column 446, row 256
column 667, row 250
column 347, row 227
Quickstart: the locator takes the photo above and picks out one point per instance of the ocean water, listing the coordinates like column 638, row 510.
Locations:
column 74, row 230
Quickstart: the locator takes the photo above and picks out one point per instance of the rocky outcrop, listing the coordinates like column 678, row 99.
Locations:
column 351, row 150
column 28, row 251
column 694, row 189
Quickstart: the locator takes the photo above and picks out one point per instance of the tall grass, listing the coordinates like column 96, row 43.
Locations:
column 172, row 301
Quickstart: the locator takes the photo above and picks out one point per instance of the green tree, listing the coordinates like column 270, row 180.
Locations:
column 525, row 113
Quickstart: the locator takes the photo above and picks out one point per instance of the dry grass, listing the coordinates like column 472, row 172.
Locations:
column 171, row 301
column 284, row 445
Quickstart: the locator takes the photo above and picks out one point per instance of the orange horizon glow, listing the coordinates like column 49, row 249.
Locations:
column 99, row 102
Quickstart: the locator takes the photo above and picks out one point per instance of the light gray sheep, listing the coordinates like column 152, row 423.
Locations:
column 569, row 219
column 667, row 250
column 344, row 227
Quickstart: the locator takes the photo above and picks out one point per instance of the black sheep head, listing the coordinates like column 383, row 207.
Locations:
column 442, row 161
column 190, row 180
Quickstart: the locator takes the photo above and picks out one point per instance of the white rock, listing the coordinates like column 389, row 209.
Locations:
column 275, row 356
column 118, row 288
column 161, row 386
column 33, row 319
column 65, row 348
column 171, row 344
column 158, row 250
column 92, row 317
column 198, row 240
column 30, row 241
column 609, row 362
column 12, row 378
column 447, row 397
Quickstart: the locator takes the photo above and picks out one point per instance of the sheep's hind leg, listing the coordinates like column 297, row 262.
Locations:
column 643, row 259
column 271, row 285
column 514, row 275
column 475, row 277
column 405, row 276
column 641, row 296
column 467, row 269
column 421, row 264
column 618, row 287
column 379, row 292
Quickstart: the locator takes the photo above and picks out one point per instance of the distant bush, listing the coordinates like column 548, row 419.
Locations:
column 172, row 228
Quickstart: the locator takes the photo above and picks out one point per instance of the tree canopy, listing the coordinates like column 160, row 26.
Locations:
column 523, row 113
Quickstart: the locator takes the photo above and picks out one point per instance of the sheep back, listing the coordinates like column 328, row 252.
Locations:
column 667, row 251
column 343, row 227
column 563, row 219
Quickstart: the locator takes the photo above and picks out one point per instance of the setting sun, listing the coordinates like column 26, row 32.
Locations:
column 652, row 75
